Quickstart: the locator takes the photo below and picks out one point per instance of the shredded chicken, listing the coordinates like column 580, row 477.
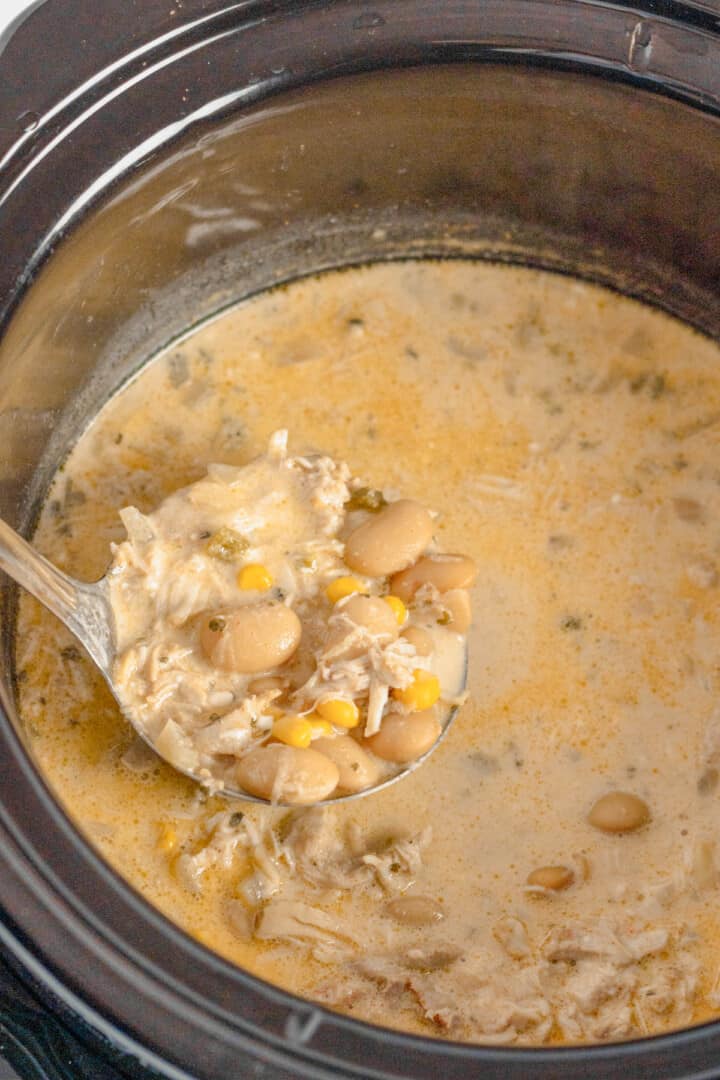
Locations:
column 511, row 934
column 328, row 482
column 356, row 663
column 312, row 854
column 591, row 983
column 326, row 859
column 225, row 836
column 299, row 923
column 176, row 576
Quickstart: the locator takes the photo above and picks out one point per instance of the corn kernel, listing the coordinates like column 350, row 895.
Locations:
column 398, row 607
column 322, row 729
column 255, row 576
column 342, row 587
column 422, row 693
column 293, row 730
column 342, row 713
column 168, row 839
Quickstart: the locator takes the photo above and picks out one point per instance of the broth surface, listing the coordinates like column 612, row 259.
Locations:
column 568, row 438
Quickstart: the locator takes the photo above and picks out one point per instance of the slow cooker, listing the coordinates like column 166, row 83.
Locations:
column 162, row 159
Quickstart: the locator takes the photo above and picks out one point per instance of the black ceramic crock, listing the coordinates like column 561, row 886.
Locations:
column 160, row 159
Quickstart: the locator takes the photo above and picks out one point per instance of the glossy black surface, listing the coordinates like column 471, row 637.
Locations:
column 36, row 1045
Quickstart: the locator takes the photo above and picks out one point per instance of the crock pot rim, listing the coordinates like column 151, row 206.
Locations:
column 605, row 1053
column 18, row 151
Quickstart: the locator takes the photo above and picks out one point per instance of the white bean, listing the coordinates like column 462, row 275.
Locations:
column 556, row 878
column 373, row 613
column 358, row 770
column 415, row 910
column 405, row 737
column 420, row 639
column 457, row 602
column 619, row 812
column 390, row 540
column 250, row 639
column 288, row 774
column 265, row 683
column 445, row 572
column 370, row 612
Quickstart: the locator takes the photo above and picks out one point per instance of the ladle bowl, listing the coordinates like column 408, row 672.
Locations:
column 86, row 610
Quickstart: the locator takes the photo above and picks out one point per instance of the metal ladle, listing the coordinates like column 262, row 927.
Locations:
column 85, row 609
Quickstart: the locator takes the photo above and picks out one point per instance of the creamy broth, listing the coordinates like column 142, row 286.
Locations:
column 567, row 438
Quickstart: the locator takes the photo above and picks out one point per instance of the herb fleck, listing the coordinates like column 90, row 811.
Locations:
column 70, row 652
column 571, row 622
column 708, row 781
column 654, row 384
column 216, row 625
column 232, row 432
column 552, row 407
column 178, row 370
column 236, row 819
column 72, row 496
column 366, row 499
column 485, row 764
column 688, row 509
column 227, row 544
column 657, row 386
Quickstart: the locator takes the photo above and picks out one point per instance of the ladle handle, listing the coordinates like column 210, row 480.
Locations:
column 83, row 608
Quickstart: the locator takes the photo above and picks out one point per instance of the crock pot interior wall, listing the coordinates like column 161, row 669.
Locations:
column 553, row 168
